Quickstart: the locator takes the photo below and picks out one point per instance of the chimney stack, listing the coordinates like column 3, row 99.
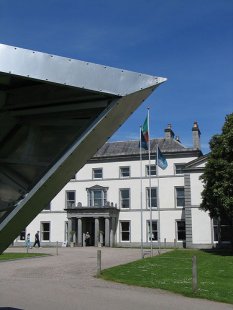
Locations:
column 196, row 136
column 169, row 134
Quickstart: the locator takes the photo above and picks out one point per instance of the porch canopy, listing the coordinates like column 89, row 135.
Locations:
column 55, row 113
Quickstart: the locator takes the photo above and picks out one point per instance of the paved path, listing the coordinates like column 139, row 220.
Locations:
column 66, row 282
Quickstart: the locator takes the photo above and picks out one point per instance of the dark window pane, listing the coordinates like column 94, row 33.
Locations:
column 181, row 230
column 179, row 168
column 125, row 236
column 97, row 173
column 125, row 226
column 124, row 172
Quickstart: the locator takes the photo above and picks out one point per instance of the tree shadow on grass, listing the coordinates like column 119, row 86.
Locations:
column 220, row 252
column 10, row 308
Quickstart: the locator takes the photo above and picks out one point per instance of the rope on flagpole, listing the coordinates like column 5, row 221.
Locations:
column 142, row 254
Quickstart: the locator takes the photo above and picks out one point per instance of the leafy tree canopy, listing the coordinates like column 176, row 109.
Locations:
column 218, row 174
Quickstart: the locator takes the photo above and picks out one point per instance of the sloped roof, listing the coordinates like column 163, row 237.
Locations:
column 111, row 149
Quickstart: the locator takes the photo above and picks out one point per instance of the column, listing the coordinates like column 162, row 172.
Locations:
column 69, row 230
column 97, row 231
column 80, row 232
column 112, row 232
column 107, row 232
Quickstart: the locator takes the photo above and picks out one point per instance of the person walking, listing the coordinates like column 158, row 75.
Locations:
column 37, row 240
column 28, row 241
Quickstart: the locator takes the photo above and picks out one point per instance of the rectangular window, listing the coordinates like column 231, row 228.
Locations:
column 47, row 207
column 151, row 170
column 97, row 173
column 97, row 198
column 125, row 198
column 22, row 235
column 181, row 235
column 70, row 199
column 125, row 231
column 180, row 201
column 45, row 231
column 154, row 234
column 179, row 168
column 124, row 172
column 153, row 197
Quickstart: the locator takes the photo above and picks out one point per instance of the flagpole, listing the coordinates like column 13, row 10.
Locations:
column 142, row 255
column 151, row 244
column 158, row 200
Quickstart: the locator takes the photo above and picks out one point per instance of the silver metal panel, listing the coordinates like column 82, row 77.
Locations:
column 50, row 126
column 72, row 72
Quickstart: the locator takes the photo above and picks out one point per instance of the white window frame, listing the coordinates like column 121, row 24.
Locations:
column 93, row 174
column 176, row 197
column 42, row 231
column 148, row 197
column 153, row 230
column 121, row 174
column 175, row 168
column 91, row 196
column 68, row 202
column 151, row 170
column 126, row 231
column 122, row 199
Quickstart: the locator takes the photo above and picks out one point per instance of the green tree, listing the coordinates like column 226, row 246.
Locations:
column 218, row 175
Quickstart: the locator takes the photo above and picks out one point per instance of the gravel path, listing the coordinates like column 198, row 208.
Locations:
column 67, row 282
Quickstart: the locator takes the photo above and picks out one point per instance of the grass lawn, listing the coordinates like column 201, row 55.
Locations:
column 172, row 271
column 13, row 256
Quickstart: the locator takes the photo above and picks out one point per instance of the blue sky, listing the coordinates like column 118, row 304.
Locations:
column 189, row 42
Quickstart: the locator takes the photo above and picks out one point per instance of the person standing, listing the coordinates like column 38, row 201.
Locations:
column 28, row 241
column 37, row 240
column 87, row 239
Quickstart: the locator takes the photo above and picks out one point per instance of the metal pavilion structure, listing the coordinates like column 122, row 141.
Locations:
column 55, row 113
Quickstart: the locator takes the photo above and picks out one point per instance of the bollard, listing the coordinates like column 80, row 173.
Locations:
column 165, row 243
column 57, row 248
column 194, row 273
column 98, row 271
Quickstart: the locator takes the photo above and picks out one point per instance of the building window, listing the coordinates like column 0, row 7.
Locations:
column 153, row 192
column 154, row 234
column 47, row 207
column 22, row 235
column 180, row 228
column 180, row 201
column 222, row 230
column 97, row 196
column 70, row 199
column 124, row 172
column 97, row 173
column 45, row 231
column 125, row 231
column 151, row 170
column 125, row 198
column 179, row 168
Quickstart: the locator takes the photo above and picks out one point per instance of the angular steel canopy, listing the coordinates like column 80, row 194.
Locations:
column 55, row 113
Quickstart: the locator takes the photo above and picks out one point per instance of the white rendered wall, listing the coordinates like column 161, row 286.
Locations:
column 169, row 213
column 201, row 227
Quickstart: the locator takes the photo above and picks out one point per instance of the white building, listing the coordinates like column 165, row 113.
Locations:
column 109, row 197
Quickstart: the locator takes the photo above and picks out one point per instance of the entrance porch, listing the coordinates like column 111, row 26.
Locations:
column 100, row 222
